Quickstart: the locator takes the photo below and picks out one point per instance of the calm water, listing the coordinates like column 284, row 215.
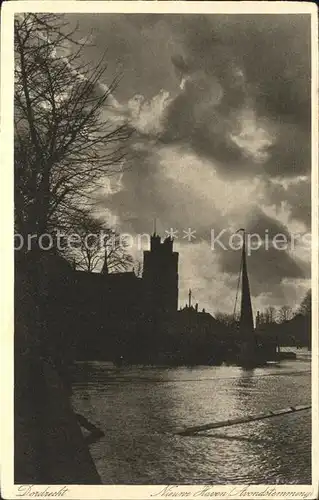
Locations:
column 140, row 409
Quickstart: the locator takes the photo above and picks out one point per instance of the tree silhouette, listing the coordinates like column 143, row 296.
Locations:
column 285, row 314
column 138, row 268
column 229, row 320
column 305, row 306
column 270, row 314
column 66, row 141
column 90, row 241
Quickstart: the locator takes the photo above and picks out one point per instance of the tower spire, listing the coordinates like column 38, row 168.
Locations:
column 154, row 226
column 246, row 323
column 248, row 352
column 190, row 298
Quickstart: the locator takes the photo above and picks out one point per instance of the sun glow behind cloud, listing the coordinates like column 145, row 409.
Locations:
column 219, row 141
column 199, row 197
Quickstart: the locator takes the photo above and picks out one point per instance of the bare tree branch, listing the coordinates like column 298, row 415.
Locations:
column 95, row 240
column 66, row 139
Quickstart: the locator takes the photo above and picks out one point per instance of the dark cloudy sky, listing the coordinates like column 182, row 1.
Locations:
column 221, row 107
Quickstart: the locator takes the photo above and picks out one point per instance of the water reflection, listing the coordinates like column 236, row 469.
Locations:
column 140, row 409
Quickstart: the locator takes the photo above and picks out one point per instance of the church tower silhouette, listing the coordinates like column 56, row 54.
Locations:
column 160, row 276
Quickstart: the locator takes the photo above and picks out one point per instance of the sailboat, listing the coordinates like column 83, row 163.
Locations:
column 250, row 354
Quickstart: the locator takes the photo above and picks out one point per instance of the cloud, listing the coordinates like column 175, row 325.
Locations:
column 215, row 289
column 228, row 66
column 295, row 192
column 195, row 118
column 279, row 79
column 221, row 114
column 289, row 291
column 183, row 190
column 147, row 116
column 226, row 52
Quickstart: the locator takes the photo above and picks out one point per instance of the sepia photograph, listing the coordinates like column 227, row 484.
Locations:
column 164, row 220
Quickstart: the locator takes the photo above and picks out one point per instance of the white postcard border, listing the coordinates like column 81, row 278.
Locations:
column 9, row 490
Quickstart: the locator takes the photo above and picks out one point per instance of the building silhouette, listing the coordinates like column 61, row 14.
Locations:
column 160, row 277
column 125, row 318
column 109, row 315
